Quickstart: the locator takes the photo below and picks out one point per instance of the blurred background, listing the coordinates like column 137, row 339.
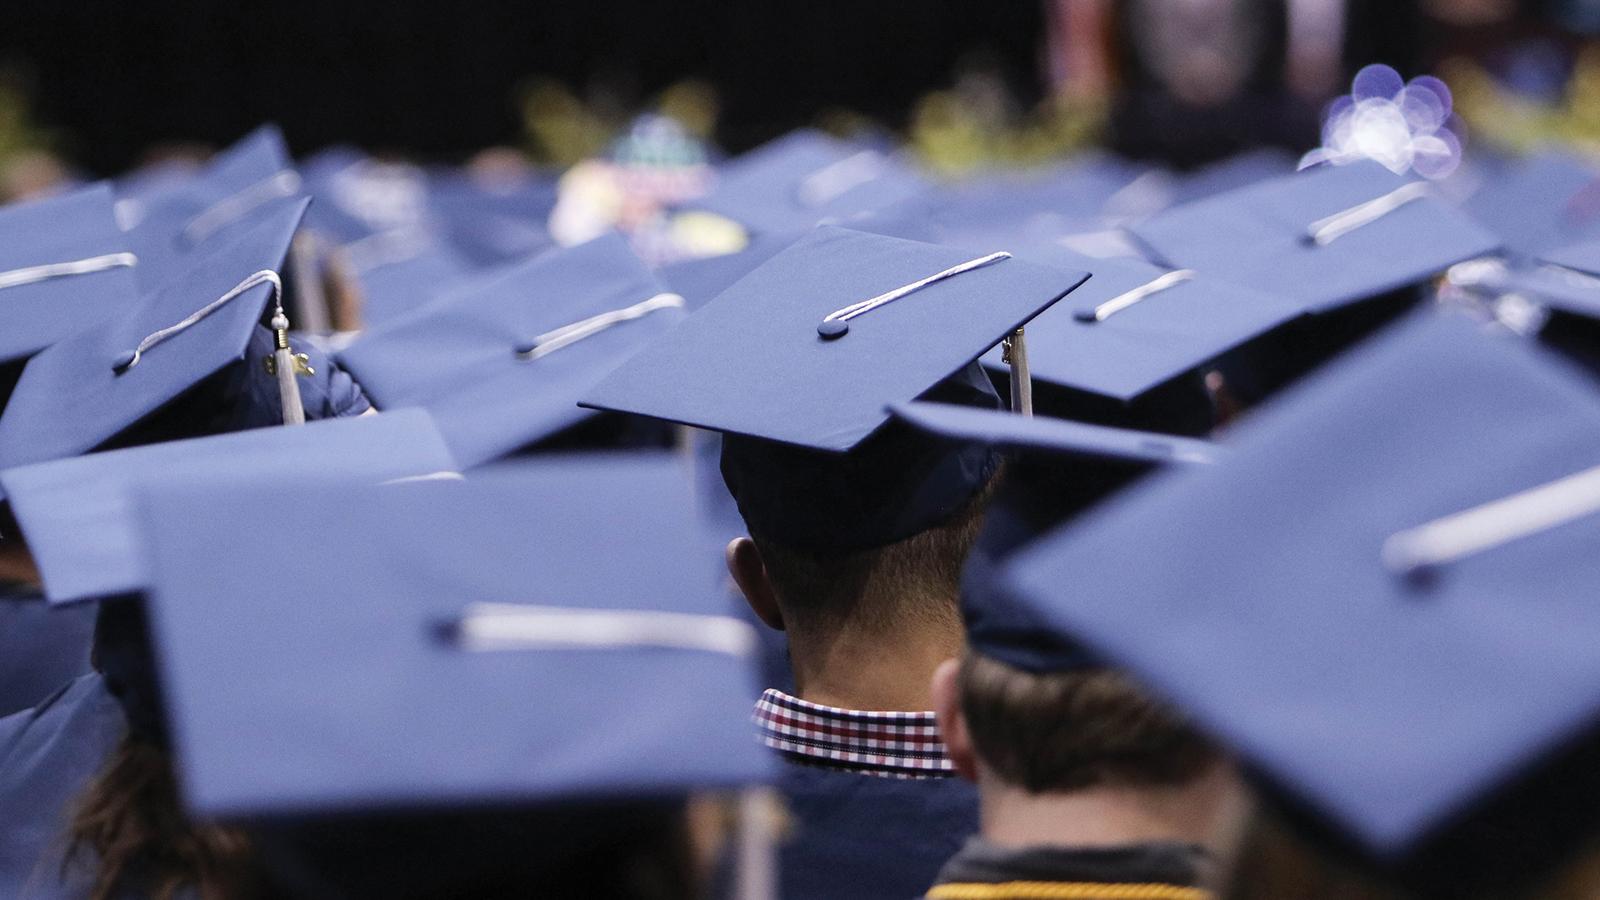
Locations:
column 100, row 87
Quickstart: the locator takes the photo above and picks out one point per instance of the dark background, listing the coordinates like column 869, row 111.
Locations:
column 439, row 80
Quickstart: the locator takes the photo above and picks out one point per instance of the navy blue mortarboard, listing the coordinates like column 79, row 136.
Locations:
column 699, row 280
column 1135, row 326
column 91, row 387
column 493, row 221
column 807, row 177
column 796, row 362
column 1056, row 470
column 436, row 663
column 1382, row 598
column 502, row 362
column 211, row 204
column 1323, row 238
column 1537, row 204
column 64, row 265
column 75, row 513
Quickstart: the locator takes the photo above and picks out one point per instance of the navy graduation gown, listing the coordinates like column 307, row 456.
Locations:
column 863, row 836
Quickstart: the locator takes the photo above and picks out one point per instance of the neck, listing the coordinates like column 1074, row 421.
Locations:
column 1210, row 812
column 887, row 668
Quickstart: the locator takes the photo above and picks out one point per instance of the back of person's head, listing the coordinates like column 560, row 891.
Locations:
column 870, row 537
column 912, row 580
column 1055, row 732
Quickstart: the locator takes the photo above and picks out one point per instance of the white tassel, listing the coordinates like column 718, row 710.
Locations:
column 283, row 364
column 1016, row 353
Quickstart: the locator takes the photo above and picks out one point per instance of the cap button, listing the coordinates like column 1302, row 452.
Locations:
column 1087, row 316
column 124, row 361
column 525, row 348
column 833, row 329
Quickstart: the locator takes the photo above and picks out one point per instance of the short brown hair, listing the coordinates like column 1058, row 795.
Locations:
column 914, row 578
column 1066, row 731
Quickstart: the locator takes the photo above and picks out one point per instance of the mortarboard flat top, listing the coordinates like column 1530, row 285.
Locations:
column 807, row 177
column 1056, row 437
column 1539, row 203
column 360, row 676
column 1135, row 326
column 76, row 516
column 214, row 202
column 1323, row 238
column 1255, row 593
column 459, row 356
column 699, row 280
column 752, row 361
column 72, row 397
column 38, row 308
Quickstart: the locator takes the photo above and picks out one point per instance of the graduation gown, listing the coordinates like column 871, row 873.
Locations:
column 1156, row 871
column 41, row 647
column 47, row 755
column 858, row 836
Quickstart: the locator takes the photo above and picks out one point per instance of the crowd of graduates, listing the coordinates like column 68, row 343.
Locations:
column 802, row 524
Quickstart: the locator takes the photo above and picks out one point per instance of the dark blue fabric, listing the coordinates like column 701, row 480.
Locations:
column 41, row 647
column 894, row 484
column 861, row 837
column 47, row 756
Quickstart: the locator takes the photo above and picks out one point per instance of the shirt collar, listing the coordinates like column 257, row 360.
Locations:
column 886, row 744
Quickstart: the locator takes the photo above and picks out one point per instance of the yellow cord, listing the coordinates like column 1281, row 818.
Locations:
column 1065, row 890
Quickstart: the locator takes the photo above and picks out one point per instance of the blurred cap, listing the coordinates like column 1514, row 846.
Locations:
column 1371, row 598
column 807, row 177
column 167, row 225
column 76, row 513
column 1134, row 326
column 502, row 361
column 64, row 265
column 413, row 655
column 1323, row 238
column 1538, row 203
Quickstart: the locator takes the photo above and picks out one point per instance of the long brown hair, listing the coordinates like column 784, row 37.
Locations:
column 129, row 825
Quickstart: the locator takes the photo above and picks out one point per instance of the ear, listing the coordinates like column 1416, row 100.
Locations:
column 750, row 574
column 952, row 723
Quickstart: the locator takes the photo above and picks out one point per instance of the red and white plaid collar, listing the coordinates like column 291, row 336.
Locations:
column 887, row 744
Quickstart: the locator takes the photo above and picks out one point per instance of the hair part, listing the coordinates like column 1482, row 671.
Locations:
column 1067, row 731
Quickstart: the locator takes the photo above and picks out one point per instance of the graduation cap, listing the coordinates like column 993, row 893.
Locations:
column 97, row 384
column 796, row 362
column 1382, row 598
column 1056, row 469
column 1135, row 327
column 698, row 280
column 64, row 265
column 222, row 197
column 76, row 513
column 437, row 664
column 502, row 362
column 807, row 177
column 1539, row 203
column 1323, row 238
